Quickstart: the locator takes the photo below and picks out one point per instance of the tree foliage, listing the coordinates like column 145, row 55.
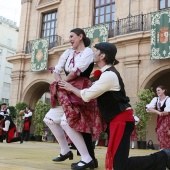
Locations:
column 20, row 106
column 40, row 111
column 144, row 96
column 13, row 112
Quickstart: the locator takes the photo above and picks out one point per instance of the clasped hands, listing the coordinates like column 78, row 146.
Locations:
column 65, row 85
column 162, row 113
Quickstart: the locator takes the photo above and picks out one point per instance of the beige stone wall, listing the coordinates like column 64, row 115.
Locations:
column 137, row 7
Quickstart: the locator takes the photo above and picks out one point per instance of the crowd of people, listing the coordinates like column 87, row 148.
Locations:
column 86, row 109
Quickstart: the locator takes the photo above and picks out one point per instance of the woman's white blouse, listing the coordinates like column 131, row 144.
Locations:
column 153, row 103
column 81, row 60
column 136, row 118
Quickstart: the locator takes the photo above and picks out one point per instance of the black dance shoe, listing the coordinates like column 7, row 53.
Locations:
column 64, row 157
column 21, row 140
column 95, row 164
column 89, row 165
column 167, row 151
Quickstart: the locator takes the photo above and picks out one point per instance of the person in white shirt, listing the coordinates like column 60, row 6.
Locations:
column 10, row 129
column 2, row 112
column 161, row 107
column 117, row 112
column 27, row 124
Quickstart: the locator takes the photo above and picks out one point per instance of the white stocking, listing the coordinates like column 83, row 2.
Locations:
column 78, row 141
column 60, row 137
column 133, row 144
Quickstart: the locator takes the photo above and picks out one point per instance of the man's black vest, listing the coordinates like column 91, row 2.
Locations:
column 112, row 103
column 12, row 125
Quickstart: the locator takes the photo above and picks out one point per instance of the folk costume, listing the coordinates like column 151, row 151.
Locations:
column 2, row 112
column 118, row 114
column 133, row 136
column 80, row 116
column 1, row 125
column 78, row 113
column 10, row 130
column 53, row 119
column 27, row 124
column 163, row 122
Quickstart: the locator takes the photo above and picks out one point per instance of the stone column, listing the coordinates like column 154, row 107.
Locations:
column 24, row 25
column 17, row 78
column 132, row 70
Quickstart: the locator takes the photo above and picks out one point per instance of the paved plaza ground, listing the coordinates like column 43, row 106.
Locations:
column 38, row 156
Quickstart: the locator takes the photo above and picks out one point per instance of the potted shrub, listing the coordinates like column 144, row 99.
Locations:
column 50, row 136
column 20, row 107
column 13, row 112
column 40, row 110
column 144, row 96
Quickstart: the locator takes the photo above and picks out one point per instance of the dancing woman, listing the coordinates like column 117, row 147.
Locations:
column 161, row 107
column 82, row 121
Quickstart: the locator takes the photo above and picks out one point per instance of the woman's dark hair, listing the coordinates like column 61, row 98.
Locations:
column 149, row 142
column 163, row 88
column 79, row 31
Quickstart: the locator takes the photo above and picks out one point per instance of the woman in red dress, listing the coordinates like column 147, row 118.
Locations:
column 133, row 136
column 82, row 121
column 161, row 106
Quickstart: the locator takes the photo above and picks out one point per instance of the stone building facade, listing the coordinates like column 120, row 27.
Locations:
column 132, row 40
column 8, row 45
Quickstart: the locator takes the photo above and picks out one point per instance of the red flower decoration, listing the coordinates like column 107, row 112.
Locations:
column 97, row 73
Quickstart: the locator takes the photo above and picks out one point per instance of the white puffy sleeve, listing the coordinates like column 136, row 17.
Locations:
column 7, row 123
column 152, row 104
column 167, row 108
column 136, row 118
column 29, row 114
column 87, row 57
column 61, row 63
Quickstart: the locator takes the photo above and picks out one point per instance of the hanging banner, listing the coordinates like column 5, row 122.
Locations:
column 39, row 56
column 160, row 34
column 97, row 34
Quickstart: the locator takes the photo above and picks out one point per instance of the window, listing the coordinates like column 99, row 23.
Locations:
column 104, row 11
column 9, row 53
column 49, row 24
column 0, row 52
column 5, row 101
column 9, row 42
column 49, row 27
column 164, row 4
column 8, row 70
column 6, row 86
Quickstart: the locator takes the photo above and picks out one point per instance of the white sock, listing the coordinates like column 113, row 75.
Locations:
column 78, row 141
column 60, row 137
column 133, row 144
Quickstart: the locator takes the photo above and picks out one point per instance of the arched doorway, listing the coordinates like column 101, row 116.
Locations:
column 33, row 93
column 156, row 78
